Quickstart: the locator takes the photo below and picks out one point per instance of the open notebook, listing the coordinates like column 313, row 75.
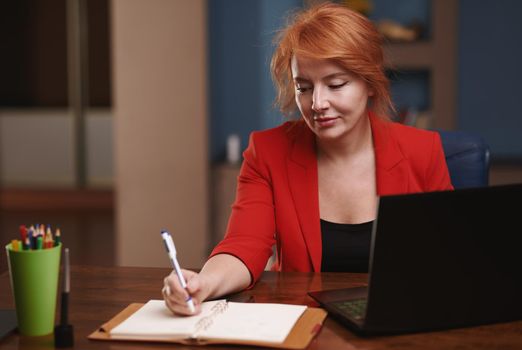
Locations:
column 274, row 325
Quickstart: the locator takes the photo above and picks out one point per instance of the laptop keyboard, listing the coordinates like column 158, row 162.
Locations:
column 354, row 309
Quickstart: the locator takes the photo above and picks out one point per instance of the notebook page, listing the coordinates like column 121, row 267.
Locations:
column 256, row 322
column 155, row 321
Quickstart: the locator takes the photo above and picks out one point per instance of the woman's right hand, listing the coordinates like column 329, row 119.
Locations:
column 176, row 296
column 221, row 275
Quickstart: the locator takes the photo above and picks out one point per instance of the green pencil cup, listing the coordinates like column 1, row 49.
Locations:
column 34, row 281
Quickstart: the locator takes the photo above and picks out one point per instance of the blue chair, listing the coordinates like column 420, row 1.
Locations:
column 467, row 157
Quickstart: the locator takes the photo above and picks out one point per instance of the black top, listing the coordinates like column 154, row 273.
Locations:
column 346, row 247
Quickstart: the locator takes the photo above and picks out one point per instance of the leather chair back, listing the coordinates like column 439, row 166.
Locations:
column 467, row 157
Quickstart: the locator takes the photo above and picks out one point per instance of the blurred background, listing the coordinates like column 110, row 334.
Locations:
column 121, row 118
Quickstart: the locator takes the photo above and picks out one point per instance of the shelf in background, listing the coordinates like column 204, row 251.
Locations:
column 56, row 199
column 438, row 56
column 416, row 55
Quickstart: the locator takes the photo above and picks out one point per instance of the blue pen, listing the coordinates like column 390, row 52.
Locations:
column 171, row 250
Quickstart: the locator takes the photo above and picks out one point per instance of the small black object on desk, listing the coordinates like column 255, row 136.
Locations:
column 7, row 322
column 64, row 333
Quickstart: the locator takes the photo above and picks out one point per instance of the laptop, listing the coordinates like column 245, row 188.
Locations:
column 438, row 260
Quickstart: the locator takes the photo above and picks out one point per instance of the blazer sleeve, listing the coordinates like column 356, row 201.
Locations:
column 250, row 233
column 437, row 177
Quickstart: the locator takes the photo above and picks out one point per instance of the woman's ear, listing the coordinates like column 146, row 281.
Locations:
column 370, row 90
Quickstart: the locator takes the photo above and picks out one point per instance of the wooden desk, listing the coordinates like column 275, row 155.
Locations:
column 98, row 293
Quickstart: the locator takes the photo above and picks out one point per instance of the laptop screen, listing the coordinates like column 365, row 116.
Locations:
column 440, row 260
column 446, row 259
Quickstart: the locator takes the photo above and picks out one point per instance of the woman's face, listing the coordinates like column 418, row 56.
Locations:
column 332, row 100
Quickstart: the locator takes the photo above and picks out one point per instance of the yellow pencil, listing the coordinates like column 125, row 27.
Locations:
column 15, row 245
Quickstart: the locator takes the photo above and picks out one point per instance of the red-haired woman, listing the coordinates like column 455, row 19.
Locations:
column 311, row 186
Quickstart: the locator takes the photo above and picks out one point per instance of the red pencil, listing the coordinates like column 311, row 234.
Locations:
column 23, row 232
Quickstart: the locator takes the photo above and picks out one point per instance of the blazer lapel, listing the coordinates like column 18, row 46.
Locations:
column 391, row 166
column 303, row 183
column 392, row 178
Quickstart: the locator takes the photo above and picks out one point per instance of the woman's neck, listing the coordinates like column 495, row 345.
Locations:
column 357, row 142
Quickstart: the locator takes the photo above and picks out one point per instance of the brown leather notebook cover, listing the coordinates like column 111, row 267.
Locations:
column 305, row 329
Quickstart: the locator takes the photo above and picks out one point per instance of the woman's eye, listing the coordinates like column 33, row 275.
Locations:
column 302, row 89
column 337, row 86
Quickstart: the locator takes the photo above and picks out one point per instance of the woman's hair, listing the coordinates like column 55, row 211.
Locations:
column 334, row 32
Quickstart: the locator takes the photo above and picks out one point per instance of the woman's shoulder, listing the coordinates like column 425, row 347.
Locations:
column 412, row 136
column 278, row 136
column 274, row 145
column 404, row 135
column 420, row 147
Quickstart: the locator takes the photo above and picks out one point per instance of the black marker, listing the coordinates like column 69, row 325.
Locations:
column 63, row 333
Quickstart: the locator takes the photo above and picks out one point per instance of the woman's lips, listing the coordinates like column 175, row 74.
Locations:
column 325, row 121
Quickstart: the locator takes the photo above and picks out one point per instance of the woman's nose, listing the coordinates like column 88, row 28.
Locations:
column 320, row 100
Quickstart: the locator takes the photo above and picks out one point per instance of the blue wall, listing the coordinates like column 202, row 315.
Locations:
column 233, row 88
column 490, row 74
column 273, row 16
column 240, row 87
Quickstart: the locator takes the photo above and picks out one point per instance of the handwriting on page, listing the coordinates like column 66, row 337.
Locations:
column 258, row 322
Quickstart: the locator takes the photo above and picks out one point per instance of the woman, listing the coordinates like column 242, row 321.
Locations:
column 311, row 186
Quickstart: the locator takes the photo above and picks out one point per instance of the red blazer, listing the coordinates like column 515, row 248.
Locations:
column 277, row 200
